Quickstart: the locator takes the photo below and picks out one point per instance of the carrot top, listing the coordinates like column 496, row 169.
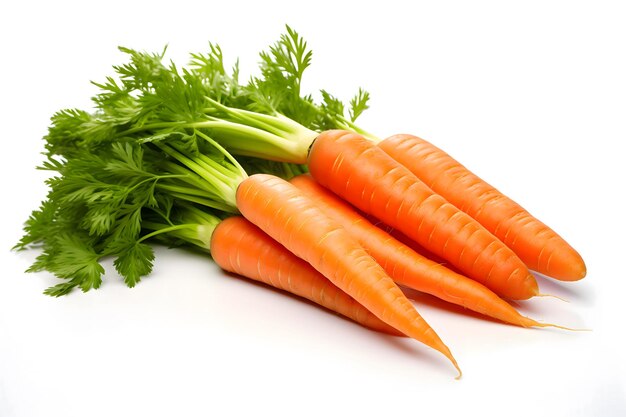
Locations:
column 108, row 202
column 155, row 142
column 148, row 98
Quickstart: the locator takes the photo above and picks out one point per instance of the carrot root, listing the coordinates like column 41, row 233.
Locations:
column 534, row 323
column 540, row 247
column 551, row 296
column 295, row 221
column 240, row 247
column 404, row 263
column 367, row 177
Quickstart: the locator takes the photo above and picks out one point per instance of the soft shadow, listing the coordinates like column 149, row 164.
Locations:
column 527, row 308
column 409, row 347
column 428, row 358
column 300, row 299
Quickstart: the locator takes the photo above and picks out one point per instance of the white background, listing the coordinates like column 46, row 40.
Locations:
column 530, row 95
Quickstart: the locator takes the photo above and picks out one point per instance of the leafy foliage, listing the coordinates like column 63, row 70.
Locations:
column 138, row 165
column 358, row 104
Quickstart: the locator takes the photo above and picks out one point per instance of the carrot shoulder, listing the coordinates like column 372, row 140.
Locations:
column 540, row 247
column 240, row 247
column 287, row 215
column 364, row 175
column 407, row 267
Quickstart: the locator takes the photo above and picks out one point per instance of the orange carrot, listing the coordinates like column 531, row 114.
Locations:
column 409, row 268
column 240, row 247
column 416, row 247
column 542, row 249
column 364, row 175
column 287, row 215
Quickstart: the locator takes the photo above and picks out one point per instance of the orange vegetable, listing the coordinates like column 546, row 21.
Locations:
column 409, row 268
column 541, row 248
column 240, row 247
column 287, row 215
column 398, row 235
column 364, row 175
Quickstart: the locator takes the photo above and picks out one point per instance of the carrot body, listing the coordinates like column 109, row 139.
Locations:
column 240, row 247
column 287, row 215
column 364, row 175
column 407, row 267
column 542, row 249
column 398, row 235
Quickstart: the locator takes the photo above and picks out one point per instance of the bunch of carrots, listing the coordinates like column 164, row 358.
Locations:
column 283, row 190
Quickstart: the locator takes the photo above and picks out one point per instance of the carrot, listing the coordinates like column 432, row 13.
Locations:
column 240, row 131
column 540, row 247
column 364, row 175
column 398, row 235
column 240, row 247
column 287, row 215
column 408, row 267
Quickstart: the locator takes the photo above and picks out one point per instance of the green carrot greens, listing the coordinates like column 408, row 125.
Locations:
column 152, row 160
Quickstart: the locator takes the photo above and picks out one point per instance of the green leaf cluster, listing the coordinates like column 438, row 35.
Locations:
column 152, row 160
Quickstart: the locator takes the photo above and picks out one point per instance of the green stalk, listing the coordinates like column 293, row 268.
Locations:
column 245, row 140
column 160, row 229
column 224, row 152
column 187, row 176
column 193, row 213
column 205, row 202
column 277, row 123
column 220, row 172
column 224, row 189
column 180, row 189
column 348, row 125
column 247, row 117
column 197, row 227
column 286, row 141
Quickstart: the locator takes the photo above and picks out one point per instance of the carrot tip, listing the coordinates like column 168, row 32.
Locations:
column 552, row 296
column 572, row 329
column 527, row 322
column 448, row 355
column 456, row 366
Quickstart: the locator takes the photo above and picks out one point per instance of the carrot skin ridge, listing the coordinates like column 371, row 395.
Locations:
column 239, row 247
column 539, row 247
column 416, row 247
column 406, row 266
column 365, row 176
column 294, row 220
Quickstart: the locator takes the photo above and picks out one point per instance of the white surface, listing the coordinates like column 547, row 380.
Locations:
column 530, row 96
